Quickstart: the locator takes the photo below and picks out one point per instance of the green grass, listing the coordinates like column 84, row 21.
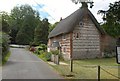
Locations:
column 6, row 58
column 42, row 57
column 87, row 69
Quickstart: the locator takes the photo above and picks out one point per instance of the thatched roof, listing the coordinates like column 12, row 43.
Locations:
column 67, row 25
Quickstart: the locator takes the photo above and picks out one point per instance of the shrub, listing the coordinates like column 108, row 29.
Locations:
column 61, row 57
column 4, row 43
column 45, row 56
column 109, row 53
column 48, row 56
column 41, row 52
column 41, row 47
column 55, row 52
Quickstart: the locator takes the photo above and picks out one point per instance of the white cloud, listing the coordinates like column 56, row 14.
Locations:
column 7, row 5
column 56, row 8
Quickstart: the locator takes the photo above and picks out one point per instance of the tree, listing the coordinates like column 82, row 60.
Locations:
column 45, row 29
column 4, row 22
column 52, row 26
column 23, row 17
column 4, row 45
column 38, row 34
column 26, row 32
column 41, row 32
column 112, row 19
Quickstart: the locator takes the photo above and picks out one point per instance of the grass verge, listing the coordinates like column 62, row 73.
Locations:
column 6, row 58
column 87, row 69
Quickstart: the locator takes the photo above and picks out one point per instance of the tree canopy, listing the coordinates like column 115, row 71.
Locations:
column 112, row 19
column 41, row 32
column 25, row 26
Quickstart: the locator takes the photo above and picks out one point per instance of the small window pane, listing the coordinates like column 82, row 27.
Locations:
column 81, row 24
column 77, row 35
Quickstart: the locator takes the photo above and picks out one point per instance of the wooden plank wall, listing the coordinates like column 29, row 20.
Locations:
column 88, row 43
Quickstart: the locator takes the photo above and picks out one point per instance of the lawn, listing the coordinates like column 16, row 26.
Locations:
column 87, row 69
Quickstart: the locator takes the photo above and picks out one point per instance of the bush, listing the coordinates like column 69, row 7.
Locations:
column 45, row 56
column 4, row 43
column 39, row 48
column 109, row 53
column 43, row 47
column 61, row 57
column 48, row 56
column 41, row 52
column 55, row 52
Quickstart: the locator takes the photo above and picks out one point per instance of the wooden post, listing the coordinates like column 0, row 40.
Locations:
column 71, row 51
column 98, row 73
column 71, row 65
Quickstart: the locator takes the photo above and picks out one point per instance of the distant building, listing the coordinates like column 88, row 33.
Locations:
column 80, row 35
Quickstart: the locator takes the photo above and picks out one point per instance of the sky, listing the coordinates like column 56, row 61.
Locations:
column 55, row 9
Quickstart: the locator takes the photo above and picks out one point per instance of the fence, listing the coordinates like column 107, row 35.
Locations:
column 105, row 69
column 77, row 70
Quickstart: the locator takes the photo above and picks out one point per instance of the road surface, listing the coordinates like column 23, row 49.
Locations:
column 23, row 64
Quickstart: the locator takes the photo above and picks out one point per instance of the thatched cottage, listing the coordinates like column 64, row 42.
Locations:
column 80, row 35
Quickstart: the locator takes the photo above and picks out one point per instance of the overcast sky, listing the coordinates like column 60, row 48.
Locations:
column 55, row 9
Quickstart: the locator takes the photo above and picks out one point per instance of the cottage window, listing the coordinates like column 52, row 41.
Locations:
column 76, row 35
column 81, row 24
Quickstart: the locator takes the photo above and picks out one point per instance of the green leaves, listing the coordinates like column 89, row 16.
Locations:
column 26, row 31
column 25, row 26
column 4, row 40
column 112, row 19
column 41, row 32
column 24, row 21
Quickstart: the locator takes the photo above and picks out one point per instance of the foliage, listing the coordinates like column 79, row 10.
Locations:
column 25, row 26
column 38, row 34
column 52, row 26
column 40, row 49
column 41, row 52
column 4, row 40
column 41, row 32
column 61, row 57
column 108, row 53
column 87, row 69
column 112, row 19
column 4, row 37
column 46, row 56
column 4, row 23
column 55, row 52
column 26, row 33
column 23, row 22
column 6, row 58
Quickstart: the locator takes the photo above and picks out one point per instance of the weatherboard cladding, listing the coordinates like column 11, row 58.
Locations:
column 67, row 25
